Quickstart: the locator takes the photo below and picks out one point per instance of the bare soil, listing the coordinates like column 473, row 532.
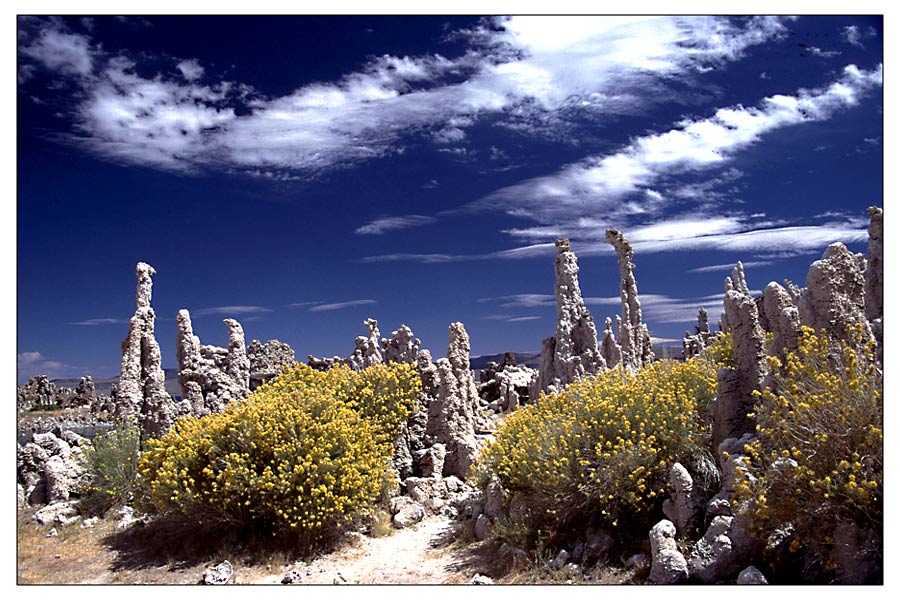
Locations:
column 426, row 553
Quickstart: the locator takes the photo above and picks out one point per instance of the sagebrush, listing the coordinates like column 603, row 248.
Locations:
column 298, row 459
column 817, row 462
column 599, row 452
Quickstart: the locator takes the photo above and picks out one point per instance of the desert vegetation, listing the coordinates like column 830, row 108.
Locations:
column 756, row 458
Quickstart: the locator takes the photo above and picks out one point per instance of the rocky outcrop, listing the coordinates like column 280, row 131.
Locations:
column 609, row 347
column 51, row 468
column 694, row 344
column 267, row 360
column 38, row 391
column 211, row 377
column 572, row 353
column 141, row 390
column 634, row 337
column 875, row 279
column 84, row 392
column 734, row 399
column 784, row 322
column 451, row 418
column 367, row 351
column 668, row 563
column 503, row 389
column 685, row 506
column 834, row 299
column 403, row 347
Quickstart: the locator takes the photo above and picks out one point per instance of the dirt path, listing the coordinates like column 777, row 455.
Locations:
column 421, row 554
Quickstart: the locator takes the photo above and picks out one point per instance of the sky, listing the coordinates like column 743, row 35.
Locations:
column 301, row 174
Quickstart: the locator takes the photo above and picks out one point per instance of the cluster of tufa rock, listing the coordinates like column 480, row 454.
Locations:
column 634, row 337
column 50, row 468
column 695, row 343
column 211, row 377
column 40, row 392
column 141, row 391
column 843, row 292
column 573, row 352
column 503, row 388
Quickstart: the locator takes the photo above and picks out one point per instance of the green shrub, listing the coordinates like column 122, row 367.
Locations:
column 299, row 459
column 817, row 461
column 599, row 453
column 112, row 461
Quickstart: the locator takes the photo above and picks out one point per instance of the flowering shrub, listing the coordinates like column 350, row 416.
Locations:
column 600, row 451
column 721, row 351
column 112, row 461
column 297, row 459
column 818, row 457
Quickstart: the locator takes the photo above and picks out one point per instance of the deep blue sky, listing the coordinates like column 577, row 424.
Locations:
column 301, row 174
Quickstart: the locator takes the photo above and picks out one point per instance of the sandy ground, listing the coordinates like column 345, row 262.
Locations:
column 425, row 553
column 417, row 555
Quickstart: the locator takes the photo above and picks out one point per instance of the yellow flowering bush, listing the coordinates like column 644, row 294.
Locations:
column 721, row 351
column 600, row 451
column 298, row 459
column 818, row 457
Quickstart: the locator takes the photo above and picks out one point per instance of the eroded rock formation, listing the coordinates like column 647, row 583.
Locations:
column 267, row 360
column 783, row 321
column 875, row 278
column 211, row 377
column 451, row 416
column 141, row 391
column 403, row 347
column 693, row 344
column 736, row 386
column 38, row 391
column 609, row 347
column 834, row 299
column 572, row 353
column 634, row 337
column 50, row 468
column 367, row 351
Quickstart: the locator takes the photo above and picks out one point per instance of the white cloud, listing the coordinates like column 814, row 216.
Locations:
column 232, row 310
column 625, row 188
column 340, row 305
column 510, row 319
column 190, row 69
column 823, row 53
column 29, row 364
column 101, row 321
column 655, row 308
column 379, row 226
column 854, row 35
column 790, row 241
column 727, row 267
column 61, row 51
column 525, row 71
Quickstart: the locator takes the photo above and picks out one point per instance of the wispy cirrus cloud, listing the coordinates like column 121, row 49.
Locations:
column 384, row 224
column 854, row 35
column 511, row 318
column 100, row 321
column 528, row 71
column 656, row 308
column 231, row 311
column 339, row 305
column 626, row 188
column 727, row 267
column 794, row 240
